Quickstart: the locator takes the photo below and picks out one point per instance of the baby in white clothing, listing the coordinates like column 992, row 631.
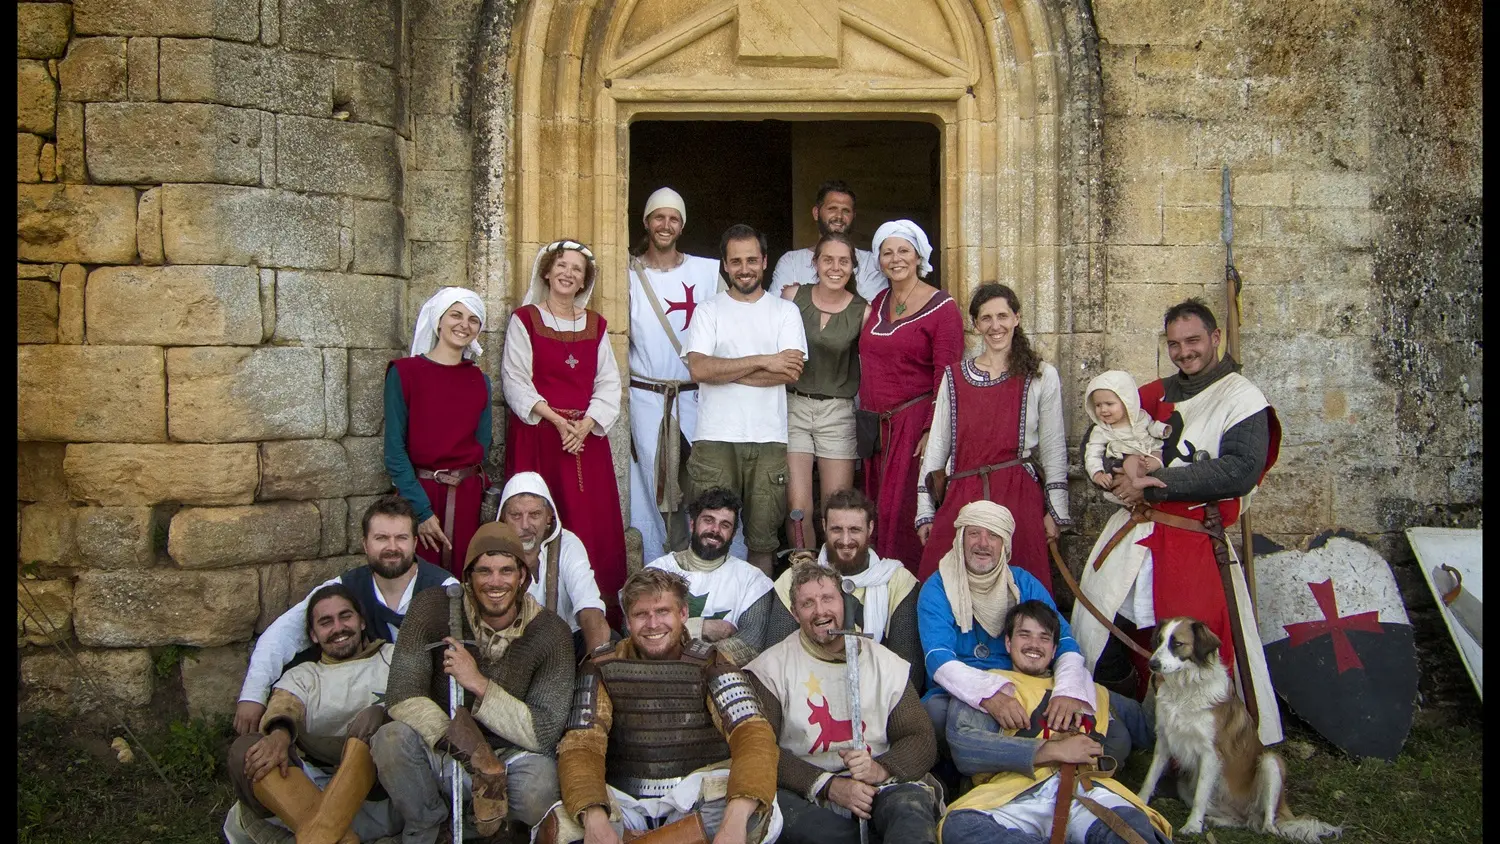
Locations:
column 1122, row 431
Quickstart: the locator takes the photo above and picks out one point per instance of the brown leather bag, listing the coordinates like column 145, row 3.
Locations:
column 689, row 830
column 937, row 486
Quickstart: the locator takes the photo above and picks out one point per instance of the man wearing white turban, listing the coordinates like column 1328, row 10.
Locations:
column 961, row 617
column 666, row 287
column 438, row 424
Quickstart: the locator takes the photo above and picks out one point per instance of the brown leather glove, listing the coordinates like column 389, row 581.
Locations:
column 368, row 720
column 466, row 742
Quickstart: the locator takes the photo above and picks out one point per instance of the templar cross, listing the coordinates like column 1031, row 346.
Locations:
column 1335, row 625
column 572, row 362
column 686, row 307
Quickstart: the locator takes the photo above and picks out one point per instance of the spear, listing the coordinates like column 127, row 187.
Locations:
column 1232, row 287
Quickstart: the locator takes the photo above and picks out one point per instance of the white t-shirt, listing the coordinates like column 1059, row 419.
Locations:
column 796, row 267
column 725, row 327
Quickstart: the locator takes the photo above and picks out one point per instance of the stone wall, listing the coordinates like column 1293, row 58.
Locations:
column 229, row 213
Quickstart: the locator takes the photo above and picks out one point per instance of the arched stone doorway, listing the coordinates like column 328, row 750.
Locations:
column 1012, row 84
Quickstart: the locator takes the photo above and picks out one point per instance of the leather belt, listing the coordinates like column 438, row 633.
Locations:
column 818, row 396
column 885, row 419
column 984, row 473
column 450, row 478
column 663, row 387
column 1147, row 514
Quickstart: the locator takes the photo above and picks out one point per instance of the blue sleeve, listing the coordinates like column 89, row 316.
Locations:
column 935, row 625
column 1032, row 590
column 397, row 463
column 485, row 434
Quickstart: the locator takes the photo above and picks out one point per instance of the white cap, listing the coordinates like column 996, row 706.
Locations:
column 665, row 198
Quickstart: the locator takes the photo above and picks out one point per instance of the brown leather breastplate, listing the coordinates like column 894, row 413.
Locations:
column 662, row 728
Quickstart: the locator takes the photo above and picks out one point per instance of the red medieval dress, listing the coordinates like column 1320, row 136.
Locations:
column 987, row 429
column 437, row 419
column 564, row 366
column 901, row 365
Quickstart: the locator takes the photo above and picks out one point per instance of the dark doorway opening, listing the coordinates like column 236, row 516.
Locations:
column 766, row 173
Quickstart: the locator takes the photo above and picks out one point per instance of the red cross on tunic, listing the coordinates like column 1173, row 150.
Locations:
column 686, row 306
column 1343, row 650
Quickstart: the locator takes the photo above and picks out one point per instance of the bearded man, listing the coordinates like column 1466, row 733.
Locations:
column 729, row 600
column 309, row 763
column 827, row 784
column 881, row 596
column 515, row 698
column 961, row 616
column 664, row 730
column 666, row 287
column 1155, row 557
column 383, row 588
column 833, row 211
column 560, row 575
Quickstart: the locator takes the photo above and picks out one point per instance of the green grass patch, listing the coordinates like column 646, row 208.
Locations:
column 70, row 787
column 1431, row 793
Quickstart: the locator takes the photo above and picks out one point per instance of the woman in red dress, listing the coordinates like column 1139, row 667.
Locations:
column 437, row 425
column 913, row 331
column 997, row 430
column 563, row 390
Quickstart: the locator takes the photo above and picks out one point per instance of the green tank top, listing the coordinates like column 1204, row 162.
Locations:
column 832, row 367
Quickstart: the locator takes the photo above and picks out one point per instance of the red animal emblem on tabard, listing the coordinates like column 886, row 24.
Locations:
column 830, row 729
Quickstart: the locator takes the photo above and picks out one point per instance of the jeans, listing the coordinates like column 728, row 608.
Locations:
column 903, row 814
column 977, row 745
column 418, row 780
column 967, row 826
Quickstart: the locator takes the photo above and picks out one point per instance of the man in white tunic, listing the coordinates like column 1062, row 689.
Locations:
column 561, row 578
column 743, row 348
column 666, row 288
column 1154, row 558
column 309, row 762
column 729, row 600
column 883, row 600
column 833, row 211
column 824, row 779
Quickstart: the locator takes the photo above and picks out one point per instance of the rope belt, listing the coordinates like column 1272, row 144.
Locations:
column 668, row 434
column 450, row 478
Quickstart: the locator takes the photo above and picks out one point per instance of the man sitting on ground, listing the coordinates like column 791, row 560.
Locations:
column 825, row 782
column 383, row 588
column 883, row 603
column 565, row 584
column 664, row 728
column 729, row 600
column 310, row 763
column 515, row 698
column 1017, row 782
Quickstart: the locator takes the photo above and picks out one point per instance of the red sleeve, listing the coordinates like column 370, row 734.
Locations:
column 1152, row 403
column 947, row 341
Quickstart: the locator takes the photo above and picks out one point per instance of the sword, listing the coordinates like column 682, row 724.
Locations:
column 1461, row 602
column 1213, row 521
column 456, row 630
column 856, row 721
column 1232, row 287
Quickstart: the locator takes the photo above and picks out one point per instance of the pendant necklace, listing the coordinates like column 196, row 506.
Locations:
column 900, row 307
column 571, row 361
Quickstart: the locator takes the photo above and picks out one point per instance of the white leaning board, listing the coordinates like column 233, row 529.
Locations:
column 1463, row 550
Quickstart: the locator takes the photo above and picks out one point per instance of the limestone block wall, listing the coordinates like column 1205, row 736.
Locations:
column 213, row 271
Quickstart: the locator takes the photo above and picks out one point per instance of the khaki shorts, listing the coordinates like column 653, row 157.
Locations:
column 754, row 471
column 820, row 427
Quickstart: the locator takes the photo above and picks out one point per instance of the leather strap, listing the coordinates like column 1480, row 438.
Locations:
column 1136, row 518
column 1116, row 824
column 639, row 382
column 1148, row 514
column 640, row 268
column 885, row 421
column 1109, row 625
column 818, row 396
column 551, row 572
column 450, row 478
column 1065, row 777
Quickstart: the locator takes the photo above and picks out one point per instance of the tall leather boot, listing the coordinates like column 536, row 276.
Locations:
column 342, row 798
column 465, row 740
column 293, row 798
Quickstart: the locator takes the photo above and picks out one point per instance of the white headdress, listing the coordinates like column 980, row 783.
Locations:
column 987, row 597
column 1123, row 385
column 424, row 337
column 538, row 290
column 911, row 233
column 665, row 198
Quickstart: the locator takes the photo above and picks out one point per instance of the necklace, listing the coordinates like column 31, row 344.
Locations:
column 571, row 361
column 900, row 307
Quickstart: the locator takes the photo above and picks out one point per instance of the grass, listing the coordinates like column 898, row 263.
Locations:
column 1431, row 793
column 71, row 788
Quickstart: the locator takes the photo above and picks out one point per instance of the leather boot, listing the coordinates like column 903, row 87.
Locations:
column 293, row 798
column 465, row 740
column 342, row 798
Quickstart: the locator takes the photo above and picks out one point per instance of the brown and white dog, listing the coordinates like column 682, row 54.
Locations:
column 1227, row 776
